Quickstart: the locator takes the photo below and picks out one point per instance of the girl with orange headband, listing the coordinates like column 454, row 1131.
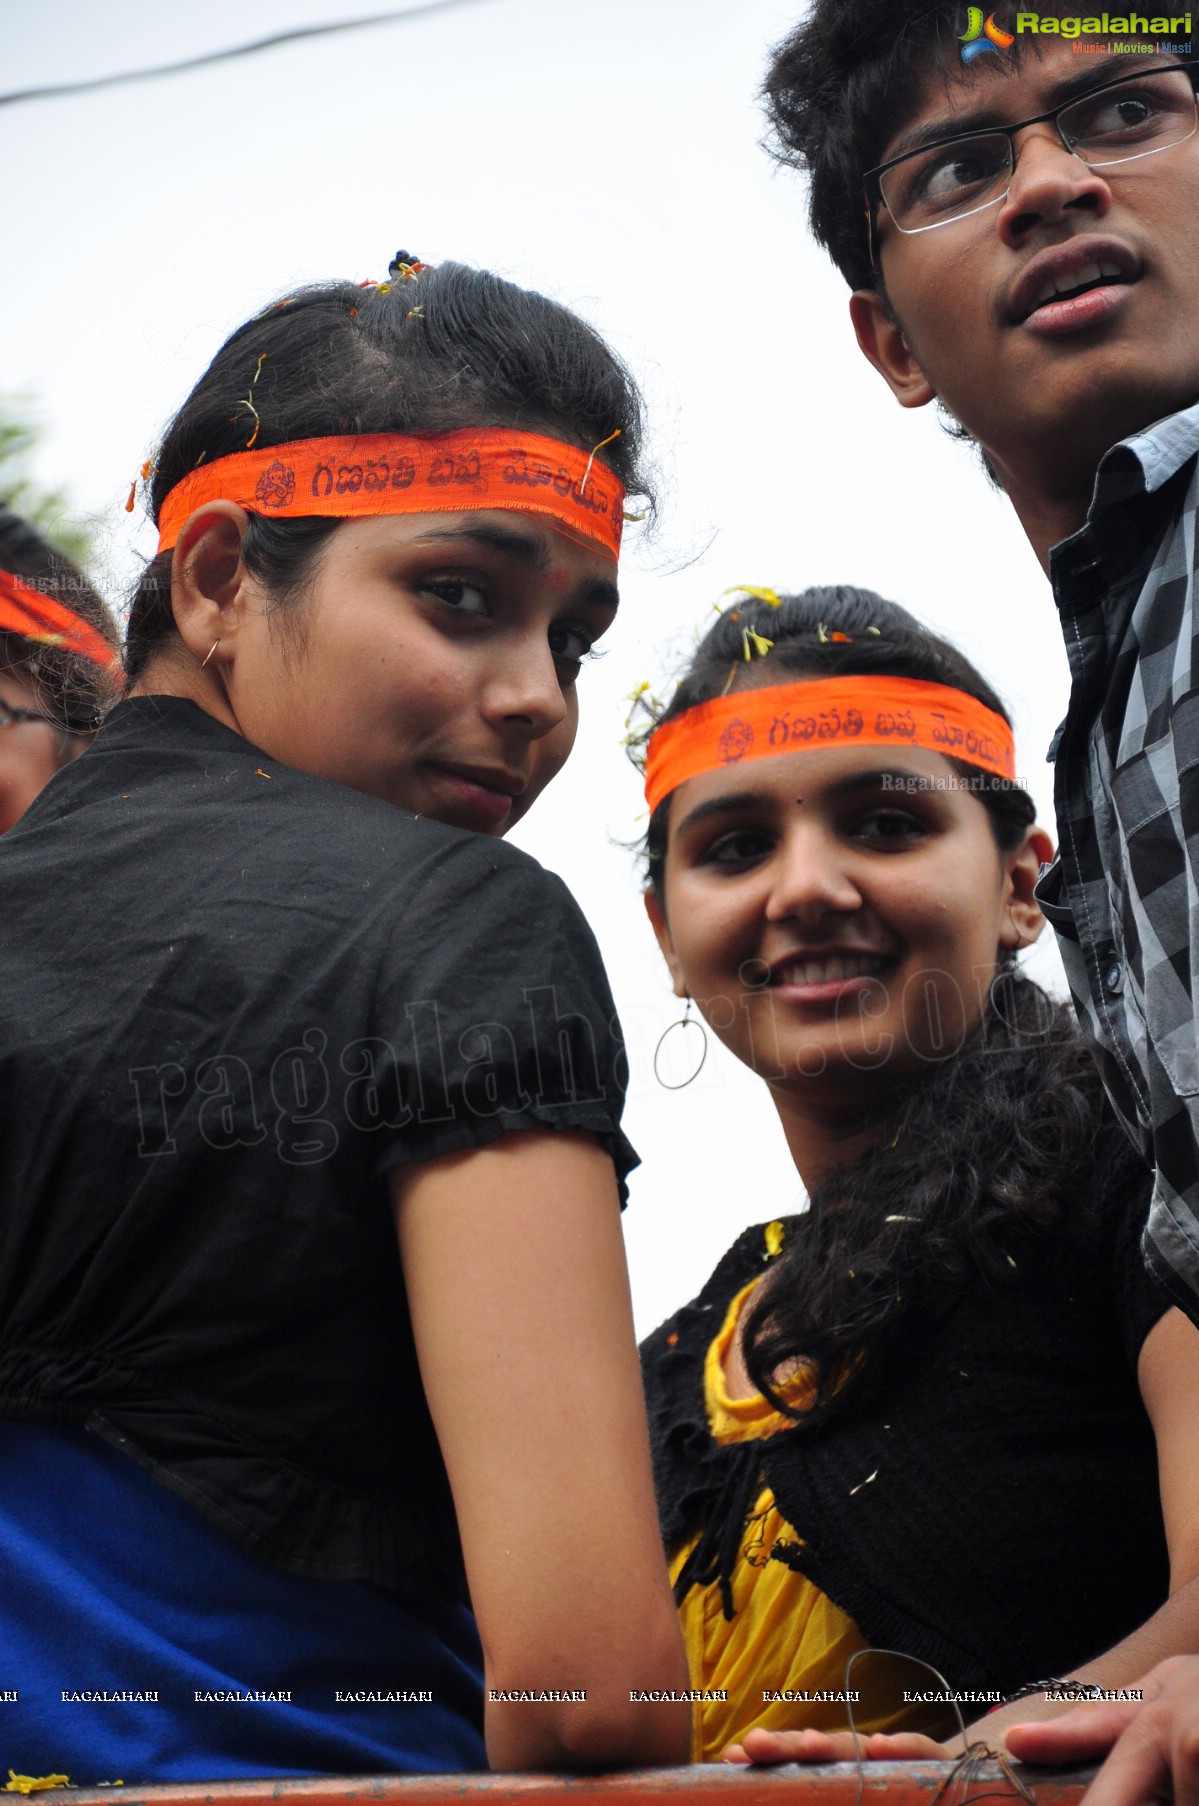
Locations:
column 59, row 664
column 926, row 1417
column 310, row 1096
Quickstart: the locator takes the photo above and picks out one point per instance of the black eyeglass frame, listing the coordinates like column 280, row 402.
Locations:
column 872, row 178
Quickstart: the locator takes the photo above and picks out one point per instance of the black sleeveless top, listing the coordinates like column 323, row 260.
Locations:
column 991, row 1504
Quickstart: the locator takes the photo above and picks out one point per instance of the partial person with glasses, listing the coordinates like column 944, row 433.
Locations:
column 59, row 664
column 1019, row 234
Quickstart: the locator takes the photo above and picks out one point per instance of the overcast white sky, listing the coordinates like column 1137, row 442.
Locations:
column 609, row 156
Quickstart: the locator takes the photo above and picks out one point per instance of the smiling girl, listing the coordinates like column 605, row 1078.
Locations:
column 922, row 1415
column 310, row 1095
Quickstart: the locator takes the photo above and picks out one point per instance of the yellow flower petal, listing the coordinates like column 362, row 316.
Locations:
column 770, row 596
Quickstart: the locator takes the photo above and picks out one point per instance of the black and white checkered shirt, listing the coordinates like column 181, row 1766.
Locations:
column 1123, row 894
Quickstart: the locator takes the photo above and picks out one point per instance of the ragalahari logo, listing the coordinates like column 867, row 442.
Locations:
column 983, row 35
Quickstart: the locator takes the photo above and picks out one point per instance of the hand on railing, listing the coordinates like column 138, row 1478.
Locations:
column 1151, row 1745
column 767, row 1747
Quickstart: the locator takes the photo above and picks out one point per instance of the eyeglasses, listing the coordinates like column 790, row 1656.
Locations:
column 10, row 715
column 953, row 178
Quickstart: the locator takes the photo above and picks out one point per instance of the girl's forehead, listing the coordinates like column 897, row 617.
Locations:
column 819, row 773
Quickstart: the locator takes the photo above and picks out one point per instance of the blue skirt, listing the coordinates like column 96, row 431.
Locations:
column 139, row 1643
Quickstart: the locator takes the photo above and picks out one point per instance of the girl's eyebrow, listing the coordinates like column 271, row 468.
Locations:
column 883, row 777
column 525, row 548
column 721, row 805
column 901, row 777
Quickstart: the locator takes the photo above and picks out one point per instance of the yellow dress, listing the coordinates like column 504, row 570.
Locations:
column 785, row 1636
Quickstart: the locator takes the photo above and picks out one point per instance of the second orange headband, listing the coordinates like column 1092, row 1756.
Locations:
column 24, row 609
column 826, row 711
column 394, row 473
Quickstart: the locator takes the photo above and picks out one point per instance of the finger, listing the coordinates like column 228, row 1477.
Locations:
column 904, row 1746
column 1138, row 1769
column 1081, row 1735
column 769, row 1747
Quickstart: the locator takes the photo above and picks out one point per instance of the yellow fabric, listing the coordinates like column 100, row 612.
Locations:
column 745, row 1419
column 785, row 1634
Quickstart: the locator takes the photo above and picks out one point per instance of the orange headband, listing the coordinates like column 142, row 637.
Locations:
column 394, row 473
column 827, row 711
column 25, row 610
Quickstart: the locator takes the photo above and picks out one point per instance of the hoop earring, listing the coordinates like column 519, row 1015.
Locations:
column 209, row 653
column 685, row 1021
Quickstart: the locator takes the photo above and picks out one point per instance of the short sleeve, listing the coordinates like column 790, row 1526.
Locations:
column 493, row 1013
column 1123, row 1207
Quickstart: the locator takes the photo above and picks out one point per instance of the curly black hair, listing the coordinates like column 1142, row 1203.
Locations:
column 980, row 1156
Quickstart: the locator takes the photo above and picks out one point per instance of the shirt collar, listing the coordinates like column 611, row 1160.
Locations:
column 1145, row 461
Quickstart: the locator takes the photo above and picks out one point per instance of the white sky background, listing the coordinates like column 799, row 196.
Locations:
column 607, row 155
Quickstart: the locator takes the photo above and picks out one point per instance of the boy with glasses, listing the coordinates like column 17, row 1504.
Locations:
column 1019, row 225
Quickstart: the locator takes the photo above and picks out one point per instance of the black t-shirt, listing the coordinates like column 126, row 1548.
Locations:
column 232, row 996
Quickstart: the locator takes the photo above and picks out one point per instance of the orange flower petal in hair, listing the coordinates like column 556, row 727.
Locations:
column 392, row 473
column 827, row 711
column 25, row 610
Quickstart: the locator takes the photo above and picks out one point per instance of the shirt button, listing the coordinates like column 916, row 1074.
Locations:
column 1113, row 979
